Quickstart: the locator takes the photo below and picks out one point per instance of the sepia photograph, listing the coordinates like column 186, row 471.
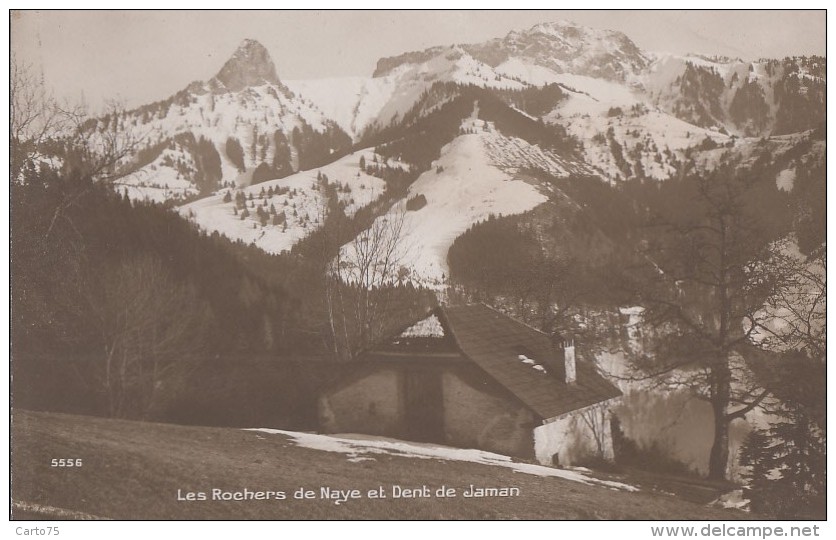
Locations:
column 418, row 265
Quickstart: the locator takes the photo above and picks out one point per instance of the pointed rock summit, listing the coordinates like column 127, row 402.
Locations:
column 250, row 65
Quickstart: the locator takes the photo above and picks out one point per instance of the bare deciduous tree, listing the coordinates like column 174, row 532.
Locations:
column 713, row 273
column 360, row 280
column 794, row 317
column 149, row 326
column 596, row 419
column 62, row 136
column 35, row 116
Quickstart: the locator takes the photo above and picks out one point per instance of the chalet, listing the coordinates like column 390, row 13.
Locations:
column 472, row 377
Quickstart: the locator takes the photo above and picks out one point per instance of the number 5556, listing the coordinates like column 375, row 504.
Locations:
column 66, row 462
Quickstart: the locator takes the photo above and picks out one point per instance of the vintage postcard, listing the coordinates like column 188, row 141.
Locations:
column 418, row 265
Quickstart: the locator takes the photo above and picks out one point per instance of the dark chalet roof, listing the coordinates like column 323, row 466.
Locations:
column 495, row 341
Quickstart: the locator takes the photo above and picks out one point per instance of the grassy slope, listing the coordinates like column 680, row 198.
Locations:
column 132, row 470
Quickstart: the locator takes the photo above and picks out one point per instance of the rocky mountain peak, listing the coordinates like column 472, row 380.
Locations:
column 250, row 65
column 565, row 46
column 562, row 46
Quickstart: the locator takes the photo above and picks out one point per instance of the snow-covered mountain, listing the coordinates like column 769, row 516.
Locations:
column 559, row 47
column 521, row 59
column 619, row 113
column 742, row 98
column 240, row 126
column 747, row 98
column 635, row 111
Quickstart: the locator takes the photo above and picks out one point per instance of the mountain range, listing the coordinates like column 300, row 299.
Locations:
column 461, row 128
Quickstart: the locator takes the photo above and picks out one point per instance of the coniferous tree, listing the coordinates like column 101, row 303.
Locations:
column 235, row 153
column 787, row 467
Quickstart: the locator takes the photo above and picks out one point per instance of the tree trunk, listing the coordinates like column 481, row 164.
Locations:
column 720, row 395
column 719, row 457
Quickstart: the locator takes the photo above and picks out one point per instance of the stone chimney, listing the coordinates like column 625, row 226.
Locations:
column 569, row 361
column 565, row 347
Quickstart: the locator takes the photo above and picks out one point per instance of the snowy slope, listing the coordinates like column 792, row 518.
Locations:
column 629, row 109
column 302, row 205
column 352, row 102
column 163, row 179
column 245, row 116
column 472, row 180
column 624, row 135
column 522, row 70
column 216, row 115
column 357, row 103
column 533, row 57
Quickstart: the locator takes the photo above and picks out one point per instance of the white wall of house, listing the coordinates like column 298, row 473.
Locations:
column 575, row 437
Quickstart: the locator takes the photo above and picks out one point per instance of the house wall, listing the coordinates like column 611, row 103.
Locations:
column 371, row 404
column 476, row 411
column 476, row 415
column 576, row 437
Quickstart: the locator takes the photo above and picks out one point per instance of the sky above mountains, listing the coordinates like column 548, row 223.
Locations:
column 143, row 56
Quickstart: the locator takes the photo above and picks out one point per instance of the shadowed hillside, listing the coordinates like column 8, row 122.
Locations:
column 133, row 470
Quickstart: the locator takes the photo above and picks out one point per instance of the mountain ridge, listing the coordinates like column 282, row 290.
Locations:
column 712, row 93
column 562, row 44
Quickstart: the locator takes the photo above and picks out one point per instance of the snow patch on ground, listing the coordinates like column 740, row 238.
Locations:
column 360, row 447
column 785, row 179
column 733, row 499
